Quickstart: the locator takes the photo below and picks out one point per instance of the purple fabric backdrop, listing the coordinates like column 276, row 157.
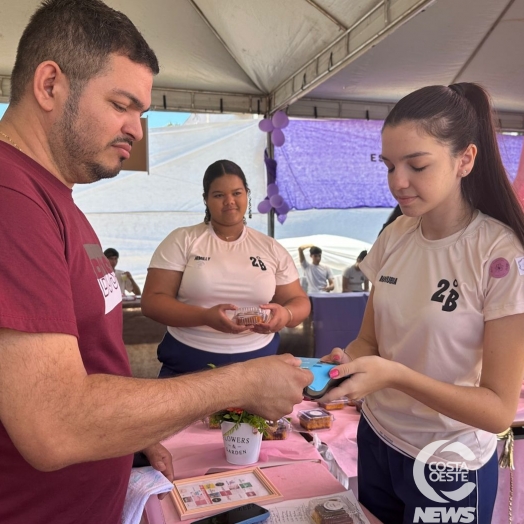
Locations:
column 335, row 164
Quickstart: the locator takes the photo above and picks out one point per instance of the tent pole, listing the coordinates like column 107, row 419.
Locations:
column 271, row 214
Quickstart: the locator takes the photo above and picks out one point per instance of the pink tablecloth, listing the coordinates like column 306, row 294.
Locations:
column 198, row 450
column 341, row 438
column 342, row 443
column 295, row 481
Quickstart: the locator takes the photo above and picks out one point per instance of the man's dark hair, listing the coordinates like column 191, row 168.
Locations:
column 79, row 35
column 314, row 250
column 111, row 252
column 363, row 255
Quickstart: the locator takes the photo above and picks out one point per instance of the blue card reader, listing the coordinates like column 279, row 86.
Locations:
column 322, row 382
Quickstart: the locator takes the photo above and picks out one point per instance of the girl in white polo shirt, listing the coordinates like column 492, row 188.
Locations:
column 199, row 274
column 440, row 355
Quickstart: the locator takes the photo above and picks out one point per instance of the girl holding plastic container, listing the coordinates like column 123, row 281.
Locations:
column 440, row 355
column 200, row 275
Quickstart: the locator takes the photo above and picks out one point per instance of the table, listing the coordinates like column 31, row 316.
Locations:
column 336, row 319
column 341, row 456
column 295, row 466
column 295, row 481
column 131, row 301
column 198, row 450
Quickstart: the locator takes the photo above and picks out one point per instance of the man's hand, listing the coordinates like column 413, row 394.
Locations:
column 273, row 385
column 161, row 460
column 135, row 287
column 301, row 251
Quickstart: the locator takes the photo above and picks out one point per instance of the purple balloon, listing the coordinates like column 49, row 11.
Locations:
column 282, row 218
column 283, row 208
column 265, row 125
column 272, row 189
column 280, row 120
column 276, row 201
column 278, row 138
column 264, row 206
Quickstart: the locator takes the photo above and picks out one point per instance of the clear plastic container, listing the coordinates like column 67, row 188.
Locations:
column 251, row 315
column 313, row 419
column 332, row 510
column 278, row 430
column 332, row 405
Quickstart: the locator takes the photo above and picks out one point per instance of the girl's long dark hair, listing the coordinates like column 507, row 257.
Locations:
column 460, row 115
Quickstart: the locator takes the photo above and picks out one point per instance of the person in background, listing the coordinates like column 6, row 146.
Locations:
column 353, row 279
column 125, row 279
column 319, row 277
column 71, row 415
column 200, row 274
column 440, row 354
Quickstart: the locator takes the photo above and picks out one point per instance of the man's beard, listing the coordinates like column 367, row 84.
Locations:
column 72, row 145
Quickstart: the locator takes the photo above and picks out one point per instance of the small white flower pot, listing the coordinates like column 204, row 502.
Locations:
column 242, row 445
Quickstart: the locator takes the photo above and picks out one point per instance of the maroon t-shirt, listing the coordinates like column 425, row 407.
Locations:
column 54, row 278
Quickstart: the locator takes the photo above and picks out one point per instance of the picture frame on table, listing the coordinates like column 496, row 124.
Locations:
column 210, row 494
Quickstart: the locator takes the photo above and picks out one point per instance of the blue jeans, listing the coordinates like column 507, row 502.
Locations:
column 178, row 358
column 386, row 486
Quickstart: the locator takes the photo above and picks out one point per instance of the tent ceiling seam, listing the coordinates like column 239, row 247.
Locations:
column 223, row 102
column 327, row 15
column 411, row 9
column 483, row 41
column 221, row 40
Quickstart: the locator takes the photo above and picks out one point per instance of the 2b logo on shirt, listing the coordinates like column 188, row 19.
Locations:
column 257, row 262
column 448, row 298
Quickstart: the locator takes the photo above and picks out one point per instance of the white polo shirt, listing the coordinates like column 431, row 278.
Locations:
column 431, row 301
column 244, row 273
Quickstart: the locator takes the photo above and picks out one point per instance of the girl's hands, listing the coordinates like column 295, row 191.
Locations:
column 279, row 317
column 368, row 374
column 217, row 318
column 337, row 356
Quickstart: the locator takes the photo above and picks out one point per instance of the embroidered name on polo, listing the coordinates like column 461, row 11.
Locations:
column 388, row 280
column 202, row 258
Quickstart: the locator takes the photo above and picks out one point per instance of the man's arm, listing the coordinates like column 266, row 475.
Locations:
column 301, row 257
column 331, row 281
column 135, row 289
column 57, row 415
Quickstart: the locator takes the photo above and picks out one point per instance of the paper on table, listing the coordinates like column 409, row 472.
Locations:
column 296, row 511
column 143, row 483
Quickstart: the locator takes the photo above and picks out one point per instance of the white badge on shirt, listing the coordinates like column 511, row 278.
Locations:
column 520, row 264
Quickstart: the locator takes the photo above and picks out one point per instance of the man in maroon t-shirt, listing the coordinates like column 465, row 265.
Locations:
column 71, row 416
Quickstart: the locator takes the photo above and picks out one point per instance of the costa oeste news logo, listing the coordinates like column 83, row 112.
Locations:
column 443, row 472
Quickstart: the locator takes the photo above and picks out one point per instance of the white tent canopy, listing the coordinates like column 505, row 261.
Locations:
column 331, row 58
column 134, row 212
